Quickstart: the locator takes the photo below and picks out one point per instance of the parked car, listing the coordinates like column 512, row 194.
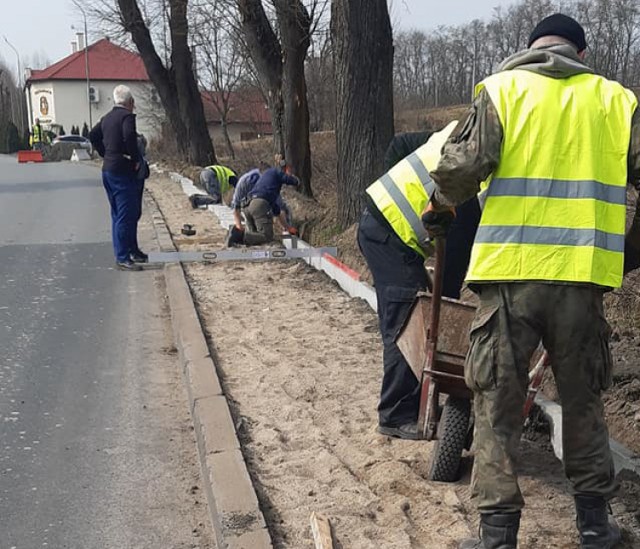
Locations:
column 82, row 142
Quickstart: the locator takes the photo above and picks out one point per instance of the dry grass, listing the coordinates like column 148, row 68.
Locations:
column 434, row 119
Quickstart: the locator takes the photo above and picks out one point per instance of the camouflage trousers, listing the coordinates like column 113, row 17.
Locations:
column 510, row 323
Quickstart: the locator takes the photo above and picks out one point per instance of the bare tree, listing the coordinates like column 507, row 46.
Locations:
column 223, row 62
column 10, row 114
column 169, row 64
column 37, row 60
column 320, row 79
column 279, row 59
column 443, row 67
column 363, row 49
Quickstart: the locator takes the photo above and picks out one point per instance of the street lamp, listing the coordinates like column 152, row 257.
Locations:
column 20, row 113
column 86, row 59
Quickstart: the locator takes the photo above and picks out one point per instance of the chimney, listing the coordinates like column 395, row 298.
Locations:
column 80, row 40
column 74, row 47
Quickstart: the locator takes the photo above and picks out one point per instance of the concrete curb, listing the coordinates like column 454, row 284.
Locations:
column 623, row 458
column 347, row 278
column 237, row 520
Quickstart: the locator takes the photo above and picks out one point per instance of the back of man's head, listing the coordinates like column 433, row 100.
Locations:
column 562, row 26
column 122, row 96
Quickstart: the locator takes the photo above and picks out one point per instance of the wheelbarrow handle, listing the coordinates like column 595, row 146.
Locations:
column 436, row 297
column 427, row 412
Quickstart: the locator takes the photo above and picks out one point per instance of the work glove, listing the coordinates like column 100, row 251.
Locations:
column 292, row 230
column 438, row 222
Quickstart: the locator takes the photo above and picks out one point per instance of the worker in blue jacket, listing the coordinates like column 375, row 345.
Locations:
column 261, row 206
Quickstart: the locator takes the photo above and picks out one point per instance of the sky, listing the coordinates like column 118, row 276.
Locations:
column 43, row 27
column 429, row 14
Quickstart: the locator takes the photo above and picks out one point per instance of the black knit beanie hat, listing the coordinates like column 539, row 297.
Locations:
column 560, row 25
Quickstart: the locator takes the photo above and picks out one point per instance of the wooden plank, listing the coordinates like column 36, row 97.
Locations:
column 321, row 530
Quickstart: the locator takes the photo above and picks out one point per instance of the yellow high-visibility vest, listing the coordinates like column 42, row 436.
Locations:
column 554, row 209
column 36, row 135
column 403, row 192
column 222, row 175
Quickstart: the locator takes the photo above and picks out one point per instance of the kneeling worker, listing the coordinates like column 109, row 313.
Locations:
column 216, row 180
column 394, row 242
column 260, row 206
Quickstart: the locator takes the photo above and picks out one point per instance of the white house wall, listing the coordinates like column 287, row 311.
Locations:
column 68, row 105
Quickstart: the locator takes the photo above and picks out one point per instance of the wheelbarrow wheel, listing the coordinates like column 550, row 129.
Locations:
column 453, row 431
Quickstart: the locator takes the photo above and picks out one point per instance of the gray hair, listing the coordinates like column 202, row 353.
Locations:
column 122, row 95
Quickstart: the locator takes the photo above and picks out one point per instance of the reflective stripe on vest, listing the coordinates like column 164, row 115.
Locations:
column 514, row 234
column 405, row 207
column 402, row 194
column 552, row 188
column 554, row 209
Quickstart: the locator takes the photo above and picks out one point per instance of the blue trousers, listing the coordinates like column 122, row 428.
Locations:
column 125, row 197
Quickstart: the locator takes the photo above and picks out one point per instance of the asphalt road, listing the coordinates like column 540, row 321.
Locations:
column 96, row 446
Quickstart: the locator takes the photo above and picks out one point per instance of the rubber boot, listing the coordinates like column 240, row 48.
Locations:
column 598, row 529
column 499, row 531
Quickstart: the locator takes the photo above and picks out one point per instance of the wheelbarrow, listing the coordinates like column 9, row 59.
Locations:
column 437, row 359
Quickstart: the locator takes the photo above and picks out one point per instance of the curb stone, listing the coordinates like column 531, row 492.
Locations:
column 238, row 522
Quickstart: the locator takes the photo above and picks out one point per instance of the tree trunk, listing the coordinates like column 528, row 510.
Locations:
column 280, row 69
column 266, row 55
column 363, row 49
column 276, row 109
column 177, row 89
column 295, row 30
column 225, row 134
column 189, row 98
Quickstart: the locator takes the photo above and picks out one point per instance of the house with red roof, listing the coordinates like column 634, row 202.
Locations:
column 248, row 115
column 58, row 95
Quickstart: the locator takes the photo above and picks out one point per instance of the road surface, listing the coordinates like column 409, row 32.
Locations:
column 96, row 444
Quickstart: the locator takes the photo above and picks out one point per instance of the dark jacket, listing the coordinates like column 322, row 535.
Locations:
column 116, row 140
column 402, row 145
column 269, row 185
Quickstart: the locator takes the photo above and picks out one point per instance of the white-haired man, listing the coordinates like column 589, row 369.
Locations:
column 115, row 139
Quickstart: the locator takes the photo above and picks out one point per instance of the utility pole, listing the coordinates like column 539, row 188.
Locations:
column 86, row 59
column 20, row 124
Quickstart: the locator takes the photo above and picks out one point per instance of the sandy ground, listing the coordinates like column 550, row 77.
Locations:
column 301, row 366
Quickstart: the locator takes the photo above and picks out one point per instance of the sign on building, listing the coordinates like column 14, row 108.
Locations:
column 43, row 106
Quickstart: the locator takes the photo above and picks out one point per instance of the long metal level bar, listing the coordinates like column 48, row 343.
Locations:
column 245, row 254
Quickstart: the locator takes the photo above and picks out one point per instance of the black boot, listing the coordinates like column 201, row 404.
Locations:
column 598, row 529
column 235, row 236
column 499, row 531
